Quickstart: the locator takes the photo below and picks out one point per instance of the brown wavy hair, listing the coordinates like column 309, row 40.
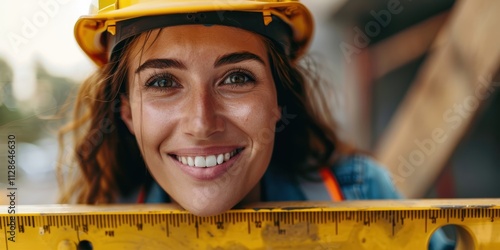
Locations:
column 108, row 160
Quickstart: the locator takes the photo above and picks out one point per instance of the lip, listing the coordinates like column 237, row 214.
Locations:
column 209, row 173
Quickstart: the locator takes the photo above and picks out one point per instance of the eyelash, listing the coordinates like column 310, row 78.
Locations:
column 247, row 74
column 155, row 78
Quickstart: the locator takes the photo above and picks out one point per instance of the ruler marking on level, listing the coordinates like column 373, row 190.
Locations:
column 4, row 221
column 426, row 218
column 197, row 231
column 167, row 222
column 392, row 221
column 337, row 223
column 20, row 223
column 77, row 232
column 176, row 221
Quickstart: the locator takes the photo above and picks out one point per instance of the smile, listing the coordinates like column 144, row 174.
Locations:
column 207, row 161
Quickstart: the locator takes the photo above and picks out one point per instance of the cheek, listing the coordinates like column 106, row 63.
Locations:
column 259, row 119
column 151, row 125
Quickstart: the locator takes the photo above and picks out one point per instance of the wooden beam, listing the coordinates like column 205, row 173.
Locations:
column 453, row 83
column 405, row 46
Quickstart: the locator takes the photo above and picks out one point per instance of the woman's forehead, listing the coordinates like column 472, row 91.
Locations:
column 200, row 41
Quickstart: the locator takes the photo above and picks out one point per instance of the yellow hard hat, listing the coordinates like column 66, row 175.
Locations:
column 287, row 22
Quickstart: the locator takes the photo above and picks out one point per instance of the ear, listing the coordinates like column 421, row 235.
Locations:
column 126, row 113
column 279, row 114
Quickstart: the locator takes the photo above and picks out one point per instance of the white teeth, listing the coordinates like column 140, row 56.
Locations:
column 190, row 161
column 199, row 161
column 220, row 159
column 208, row 161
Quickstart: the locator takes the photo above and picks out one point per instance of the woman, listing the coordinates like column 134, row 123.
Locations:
column 205, row 104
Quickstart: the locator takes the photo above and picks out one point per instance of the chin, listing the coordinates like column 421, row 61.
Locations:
column 208, row 209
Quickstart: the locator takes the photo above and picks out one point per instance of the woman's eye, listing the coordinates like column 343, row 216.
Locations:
column 238, row 78
column 163, row 82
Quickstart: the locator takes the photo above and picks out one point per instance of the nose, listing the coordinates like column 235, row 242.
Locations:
column 202, row 116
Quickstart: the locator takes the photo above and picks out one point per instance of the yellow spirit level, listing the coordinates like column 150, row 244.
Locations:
column 378, row 224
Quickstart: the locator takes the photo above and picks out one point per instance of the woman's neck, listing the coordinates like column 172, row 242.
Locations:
column 252, row 197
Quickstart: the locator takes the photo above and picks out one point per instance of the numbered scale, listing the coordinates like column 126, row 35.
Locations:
column 394, row 224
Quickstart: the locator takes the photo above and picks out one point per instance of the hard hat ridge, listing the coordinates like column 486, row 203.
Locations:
column 287, row 22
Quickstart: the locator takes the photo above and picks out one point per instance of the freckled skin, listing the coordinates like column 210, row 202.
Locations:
column 203, row 113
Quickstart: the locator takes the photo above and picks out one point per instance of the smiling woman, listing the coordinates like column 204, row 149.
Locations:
column 205, row 104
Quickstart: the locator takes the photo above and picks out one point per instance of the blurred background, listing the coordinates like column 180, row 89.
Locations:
column 414, row 82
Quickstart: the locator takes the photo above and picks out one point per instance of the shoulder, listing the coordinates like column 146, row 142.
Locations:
column 361, row 177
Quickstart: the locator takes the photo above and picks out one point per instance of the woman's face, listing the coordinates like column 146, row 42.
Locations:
column 202, row 104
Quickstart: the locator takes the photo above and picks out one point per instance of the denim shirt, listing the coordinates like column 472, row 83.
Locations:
column 359, row 177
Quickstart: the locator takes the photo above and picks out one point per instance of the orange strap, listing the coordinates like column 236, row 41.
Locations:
column 141, row 198
column 331, row 184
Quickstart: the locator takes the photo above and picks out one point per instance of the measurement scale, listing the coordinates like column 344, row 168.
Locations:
column 377, row 224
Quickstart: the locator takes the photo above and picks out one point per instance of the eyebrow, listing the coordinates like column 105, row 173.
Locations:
column 236, row 58
column 160, row 63
column 232, row 58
